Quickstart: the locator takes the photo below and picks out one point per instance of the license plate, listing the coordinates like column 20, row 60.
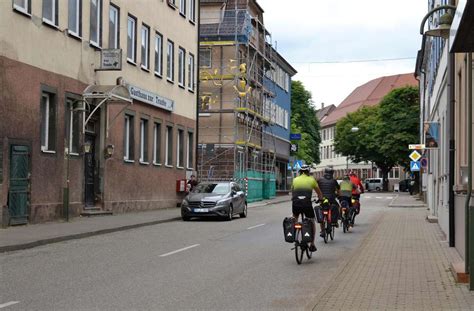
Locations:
column 201, row 210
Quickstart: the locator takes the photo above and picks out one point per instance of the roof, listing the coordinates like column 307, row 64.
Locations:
column 369, row 94
column 323, row 112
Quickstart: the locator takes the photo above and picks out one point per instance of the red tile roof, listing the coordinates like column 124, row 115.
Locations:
column 369, row 94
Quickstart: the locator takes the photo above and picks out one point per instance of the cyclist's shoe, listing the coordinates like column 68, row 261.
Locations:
column 313, row 248
column 321, row 234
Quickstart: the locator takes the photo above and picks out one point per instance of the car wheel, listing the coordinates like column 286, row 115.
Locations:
column 185, row 218
column 244, row 212
column 377, row 189
column 231, row 213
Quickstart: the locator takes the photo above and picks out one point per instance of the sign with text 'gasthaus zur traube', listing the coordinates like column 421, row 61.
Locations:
column 150, row 98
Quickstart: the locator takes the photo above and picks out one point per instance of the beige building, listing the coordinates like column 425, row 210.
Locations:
column 98, row 105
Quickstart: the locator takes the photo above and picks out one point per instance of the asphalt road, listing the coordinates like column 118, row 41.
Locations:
column 202, row 264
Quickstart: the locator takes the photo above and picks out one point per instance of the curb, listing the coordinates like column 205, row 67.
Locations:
column 408, row 205
column 11, row 248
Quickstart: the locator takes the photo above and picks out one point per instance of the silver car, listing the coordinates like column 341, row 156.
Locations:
column 221, row 199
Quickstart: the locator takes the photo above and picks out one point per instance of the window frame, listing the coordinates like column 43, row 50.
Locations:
column 190, row 150
column 48, row 130
column 157, row 139
column 192, row 11
column 169, row 145
column 145, row 50
column 143, row 159
column 71, row 115
column 92, row 41
column 181, row 67
column 131, row 18
column 78, row 21
column 203, row 64
column 116, row 30
column 159, row 57
column 128, row 150
column 54, row 22
column 180, row 148
column 170, row 61
column 25, row 9
column 182, row 8
column 191, row 72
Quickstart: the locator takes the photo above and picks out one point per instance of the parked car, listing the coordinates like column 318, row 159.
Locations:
column 404, row 185
column 374, row 184
column 211, row 199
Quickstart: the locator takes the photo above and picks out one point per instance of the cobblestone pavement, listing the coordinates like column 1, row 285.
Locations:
column 403, row 264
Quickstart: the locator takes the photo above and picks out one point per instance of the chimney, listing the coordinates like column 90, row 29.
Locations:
column 322, row 105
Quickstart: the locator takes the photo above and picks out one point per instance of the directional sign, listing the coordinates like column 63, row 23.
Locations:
column 424, row 162
column 416, row 147
column 415, row 155
column 294, row 148
column 295, row 136
column 415, row 166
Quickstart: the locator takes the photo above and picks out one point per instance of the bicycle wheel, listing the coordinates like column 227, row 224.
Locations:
column 325, row 234
column 331, row 231
column 345, row 227
column 298, row 248
column 308, row 253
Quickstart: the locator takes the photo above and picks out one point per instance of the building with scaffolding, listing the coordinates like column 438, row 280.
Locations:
column 235, row 139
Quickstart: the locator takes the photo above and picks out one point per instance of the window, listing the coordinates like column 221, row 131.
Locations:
column 169, row 146
column 128, row 149
column 50, row 12
column 182, row 7
column 158, row 54
column 96, row 22
column 114, row 27
column 73, row 126
column 180, row 153
column 144, row 141
column 192, row 10
column 157, row 143
column 145, row 47
column 75, row 17
column 181, row 66
column 131, row 39
column 191, row 72
column 170, row 61
column 23, row 6
column 190, row 150
column 205, row 58
column 48, row 122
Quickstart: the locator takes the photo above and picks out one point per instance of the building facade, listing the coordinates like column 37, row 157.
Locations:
column 368, row 94
column 76, row 134
column 278, row 102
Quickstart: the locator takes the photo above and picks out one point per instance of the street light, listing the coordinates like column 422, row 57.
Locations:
column 444, row 22
column 354, row 129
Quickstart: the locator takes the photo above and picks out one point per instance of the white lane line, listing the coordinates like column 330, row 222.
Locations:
column 7, row 304
column 379, row 197
column 389, row 198
column 369, row 197
column 249, row 228
column 179, row 250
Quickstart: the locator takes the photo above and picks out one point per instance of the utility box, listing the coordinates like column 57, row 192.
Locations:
column 181, row 185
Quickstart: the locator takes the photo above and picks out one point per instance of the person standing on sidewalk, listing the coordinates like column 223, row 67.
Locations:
column 192, row 183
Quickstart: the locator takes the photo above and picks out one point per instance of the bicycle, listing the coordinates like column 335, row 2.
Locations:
column 329, row 227
column 355, row 209
column 301, row 247
column 346, row 216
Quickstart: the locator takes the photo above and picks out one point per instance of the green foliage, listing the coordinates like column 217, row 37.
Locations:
column 304, row 121
column 385, row 131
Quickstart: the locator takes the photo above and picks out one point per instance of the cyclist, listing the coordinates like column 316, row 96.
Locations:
column 358, row 188
column 347, row 187
column 302, row 190
column 330, row 189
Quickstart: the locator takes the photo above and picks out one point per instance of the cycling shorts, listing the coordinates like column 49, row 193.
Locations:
column 302, row 207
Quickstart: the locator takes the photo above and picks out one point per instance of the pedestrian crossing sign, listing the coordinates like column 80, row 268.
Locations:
column 415, row 166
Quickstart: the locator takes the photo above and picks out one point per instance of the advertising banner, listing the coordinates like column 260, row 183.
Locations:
column 431, row 134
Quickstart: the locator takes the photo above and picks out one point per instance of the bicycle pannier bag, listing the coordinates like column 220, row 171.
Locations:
column 307, row 231
column 289, row 229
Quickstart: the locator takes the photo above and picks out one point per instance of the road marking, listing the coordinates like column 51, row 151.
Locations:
column 379, row 197
column 367, row 197
column 4, row 305
column 179, row 250
column 249, row 228
column 389, row 198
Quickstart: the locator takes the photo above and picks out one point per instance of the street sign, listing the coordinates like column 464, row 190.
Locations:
column 416, row 146
column 294, row 148
column 298, row 164
column 110, row 59
column 415, row 166
column 415, row 155
column 424, row 162
column 295, row 136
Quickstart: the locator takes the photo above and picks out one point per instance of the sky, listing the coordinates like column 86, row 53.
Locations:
column 320, row 38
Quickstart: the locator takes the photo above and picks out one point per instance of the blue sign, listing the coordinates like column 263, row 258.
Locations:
column 424, row 162
column 294, row 136
column 298, row 164
column 415, row 166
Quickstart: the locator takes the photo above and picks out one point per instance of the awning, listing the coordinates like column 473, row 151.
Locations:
column 107, row 94
column 461, row 35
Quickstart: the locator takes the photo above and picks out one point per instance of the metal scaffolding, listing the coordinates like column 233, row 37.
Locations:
column 235, row 140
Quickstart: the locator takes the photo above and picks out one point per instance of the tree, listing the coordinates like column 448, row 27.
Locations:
column 305, row 122
column 384, row 131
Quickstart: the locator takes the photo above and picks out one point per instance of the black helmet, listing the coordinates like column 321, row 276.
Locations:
column 304, row 168
column 328, row 170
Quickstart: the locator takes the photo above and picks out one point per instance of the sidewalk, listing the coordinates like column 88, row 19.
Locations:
column 23, row 237
column 403, row 263
column 404, row 199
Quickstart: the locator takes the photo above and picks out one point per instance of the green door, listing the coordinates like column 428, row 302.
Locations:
column 19, row 184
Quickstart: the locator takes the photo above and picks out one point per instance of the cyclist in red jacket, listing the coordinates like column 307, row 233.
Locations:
column 359, row 188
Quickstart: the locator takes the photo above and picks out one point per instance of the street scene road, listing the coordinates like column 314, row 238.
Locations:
column 201, row 264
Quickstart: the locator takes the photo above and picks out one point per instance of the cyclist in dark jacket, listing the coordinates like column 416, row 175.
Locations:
column 330, row 189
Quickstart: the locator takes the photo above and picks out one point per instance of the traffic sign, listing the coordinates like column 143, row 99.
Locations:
column 298, row 164
column 415, row 155
column 416, row 146
column 415, row 166
column 424, row 162
column 294, row 148
column 295, row 136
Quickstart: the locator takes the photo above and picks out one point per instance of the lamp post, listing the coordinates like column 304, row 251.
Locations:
column 354, row 129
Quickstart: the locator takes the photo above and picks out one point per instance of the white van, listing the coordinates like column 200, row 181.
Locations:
column 373, row 184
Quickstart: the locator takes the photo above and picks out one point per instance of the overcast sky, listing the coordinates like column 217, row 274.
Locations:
column 310, row 32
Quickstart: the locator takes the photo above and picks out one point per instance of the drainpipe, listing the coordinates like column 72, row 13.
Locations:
column 469, row 215
column 197, row 75
column 451, row 167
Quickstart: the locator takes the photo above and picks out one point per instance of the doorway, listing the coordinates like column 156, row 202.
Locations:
column 90, row 171
column 19, row 181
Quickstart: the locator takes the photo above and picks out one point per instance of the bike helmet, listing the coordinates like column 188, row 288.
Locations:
column 304, row 168
column 328, row 170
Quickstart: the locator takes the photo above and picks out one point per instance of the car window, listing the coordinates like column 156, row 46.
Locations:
column 217, row 188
